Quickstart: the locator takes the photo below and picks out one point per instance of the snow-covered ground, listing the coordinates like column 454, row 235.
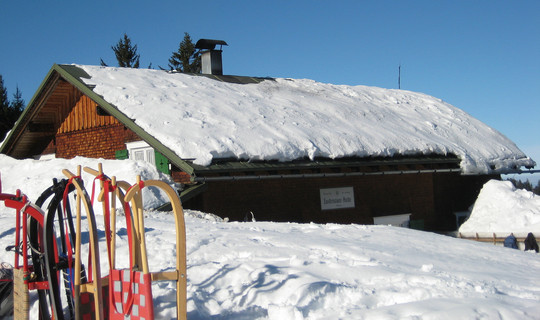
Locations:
column 264, row 270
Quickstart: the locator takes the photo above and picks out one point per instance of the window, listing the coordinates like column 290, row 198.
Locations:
column 140, row 150
column 45, row 156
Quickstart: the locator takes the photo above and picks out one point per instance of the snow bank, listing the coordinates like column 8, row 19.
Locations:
column 264, row 270
column 502, row 209
column 32, row 177
column 287, row 119
column 308, row 271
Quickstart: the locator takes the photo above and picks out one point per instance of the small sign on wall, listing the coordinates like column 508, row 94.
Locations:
column 337, row 198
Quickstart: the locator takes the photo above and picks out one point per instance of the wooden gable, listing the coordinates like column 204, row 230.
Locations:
column 85, row 114
column 61, row 108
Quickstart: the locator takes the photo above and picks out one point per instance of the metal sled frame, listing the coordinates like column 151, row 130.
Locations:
column 22, row 275
column 54, row 210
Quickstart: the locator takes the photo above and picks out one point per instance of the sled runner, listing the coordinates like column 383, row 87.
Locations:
column 179, row 274
column 84, row 293
column 59, row 211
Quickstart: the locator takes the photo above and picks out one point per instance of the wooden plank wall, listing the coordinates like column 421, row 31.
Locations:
column 84, row 116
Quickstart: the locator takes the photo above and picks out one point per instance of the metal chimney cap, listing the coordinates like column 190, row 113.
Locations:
column 209, row 44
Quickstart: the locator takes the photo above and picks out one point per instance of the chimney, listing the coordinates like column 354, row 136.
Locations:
column 210, row 57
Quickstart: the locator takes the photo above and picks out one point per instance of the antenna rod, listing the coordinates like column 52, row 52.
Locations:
column 399, row 76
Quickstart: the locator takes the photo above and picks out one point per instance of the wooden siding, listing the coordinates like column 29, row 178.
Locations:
column 298, row 200
column 84, row 116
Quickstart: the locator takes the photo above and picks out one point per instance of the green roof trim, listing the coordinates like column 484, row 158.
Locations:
column 233, row 165
column 74, row 75
column 185, row 195
column 192, row 191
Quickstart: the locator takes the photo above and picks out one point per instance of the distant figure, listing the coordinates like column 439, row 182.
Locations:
column 246, row 217
column 511, row 242
column 530, row 242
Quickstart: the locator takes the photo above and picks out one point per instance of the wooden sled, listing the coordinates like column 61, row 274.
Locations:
column 55, row 211
column 94, row 287
column 121, row 282
column 134, row 195
column 117, row 189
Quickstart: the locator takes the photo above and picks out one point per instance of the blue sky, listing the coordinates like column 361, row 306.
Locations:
column 481, row 56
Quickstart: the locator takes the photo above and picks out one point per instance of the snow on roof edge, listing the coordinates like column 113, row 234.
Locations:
column 288, row 119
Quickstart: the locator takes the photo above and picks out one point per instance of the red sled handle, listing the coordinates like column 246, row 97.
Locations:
column 109, row 190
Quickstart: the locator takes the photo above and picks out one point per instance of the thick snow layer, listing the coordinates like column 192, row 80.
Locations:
column 287, row 119
column 32, row 177
column 503, row 209
column 264, row 270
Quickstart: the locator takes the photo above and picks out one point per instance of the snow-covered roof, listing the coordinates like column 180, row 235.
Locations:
column 287, row 119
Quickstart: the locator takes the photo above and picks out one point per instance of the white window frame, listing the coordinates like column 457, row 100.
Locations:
column 140, row 150
column 48, row 156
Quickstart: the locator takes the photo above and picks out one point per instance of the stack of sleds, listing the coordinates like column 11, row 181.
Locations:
column 49, row 246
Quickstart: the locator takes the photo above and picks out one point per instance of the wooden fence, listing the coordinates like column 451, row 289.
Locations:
column 496, row 239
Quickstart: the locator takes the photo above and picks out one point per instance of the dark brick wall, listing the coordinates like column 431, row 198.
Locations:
column 429, row 197
column 99, row 142
column 180, row 176
column 298, row 200
column 454, row 193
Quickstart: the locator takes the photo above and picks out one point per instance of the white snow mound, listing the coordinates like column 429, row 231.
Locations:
column 503, row 209
column 32, row 177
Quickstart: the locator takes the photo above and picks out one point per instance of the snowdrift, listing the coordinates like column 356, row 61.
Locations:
column 503, row 209
column 34, row 176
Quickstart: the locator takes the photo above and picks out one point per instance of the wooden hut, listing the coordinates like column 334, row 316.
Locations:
column 72, row 115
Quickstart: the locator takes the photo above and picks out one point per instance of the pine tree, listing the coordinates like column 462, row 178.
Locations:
column 9, row 112
column 536, row 189
column 4, row 102
column 4, row 109
column 187, row 58
column 15, row 108
column 126, row 54
column 17, row 105
column 525, row 185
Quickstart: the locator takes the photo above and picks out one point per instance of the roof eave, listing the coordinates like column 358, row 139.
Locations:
column 74, row 75
column 49, row 80
column 229, row 166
